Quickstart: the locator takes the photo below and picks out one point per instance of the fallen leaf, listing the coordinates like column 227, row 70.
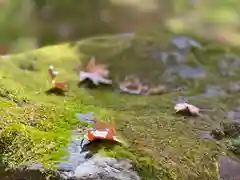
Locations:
column 187, row 108
column 94, row 77
column 100, row 69
column 61, row 85
column 96, row 73
column 102, row 130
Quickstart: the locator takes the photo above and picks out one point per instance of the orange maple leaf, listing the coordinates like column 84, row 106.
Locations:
column 61, row 85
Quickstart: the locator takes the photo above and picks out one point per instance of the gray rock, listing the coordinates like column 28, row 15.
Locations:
column 101, row 168
column 205, row 135
column 88, row 117
column 234, row 87
column 185, row 71
column 75, row 156
column 235, row 116
column 193, row 73
column 172, row 58
column 73, row 161
column 229, row 64
column 182, row 42
column 214, row 91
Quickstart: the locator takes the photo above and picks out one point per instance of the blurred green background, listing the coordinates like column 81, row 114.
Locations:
column 29, row 24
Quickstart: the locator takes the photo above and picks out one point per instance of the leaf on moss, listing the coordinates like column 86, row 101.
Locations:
column 187, row 109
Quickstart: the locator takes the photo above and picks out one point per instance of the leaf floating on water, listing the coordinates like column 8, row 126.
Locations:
column 103, row 130
column 187, row 108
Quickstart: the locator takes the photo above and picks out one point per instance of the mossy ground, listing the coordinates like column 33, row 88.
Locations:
column 163, row 145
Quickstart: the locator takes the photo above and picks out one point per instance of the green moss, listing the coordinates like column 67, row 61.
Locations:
column 162, row 145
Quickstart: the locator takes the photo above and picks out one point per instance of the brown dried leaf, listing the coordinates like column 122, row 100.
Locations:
column 94, row 77
column 101, row 69
column 187, row 108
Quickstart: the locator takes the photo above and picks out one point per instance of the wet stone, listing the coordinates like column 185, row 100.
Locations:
column 228, row 65
column 99, row 167
column 205, row 135
column 182, row 42
column 173, row 57
column 235, row 116
column 185, row 71
column 234, row 87
column 229, row 169
column 73, row 161
column 194, row 73
column 88, row 117
column 214, row 91
column 75, row 156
